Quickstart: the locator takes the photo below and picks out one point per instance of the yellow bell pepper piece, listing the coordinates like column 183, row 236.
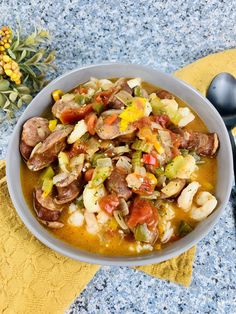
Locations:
column 152, row 178
column 56, row 94
column 133, row 112
column 52, row 124
column 147, row 135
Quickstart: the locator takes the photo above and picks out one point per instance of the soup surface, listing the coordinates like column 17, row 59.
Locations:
column 129, row 174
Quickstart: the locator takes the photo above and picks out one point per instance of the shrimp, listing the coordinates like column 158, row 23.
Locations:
column 207, row 203
column 186, row 197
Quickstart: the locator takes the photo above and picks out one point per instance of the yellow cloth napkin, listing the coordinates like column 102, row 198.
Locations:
column 35, row 279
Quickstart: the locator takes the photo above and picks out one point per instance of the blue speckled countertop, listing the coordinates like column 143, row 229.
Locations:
column 167, row 35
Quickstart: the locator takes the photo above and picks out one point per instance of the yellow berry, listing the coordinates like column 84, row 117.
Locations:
column 6, row 58
column 18, row 82
column 14, row 66
column 14, row 76
column 2, row 48
column 7, row 45
column 8, row 72
column 7, row 66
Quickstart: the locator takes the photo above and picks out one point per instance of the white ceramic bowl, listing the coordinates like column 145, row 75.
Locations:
column 179, row 88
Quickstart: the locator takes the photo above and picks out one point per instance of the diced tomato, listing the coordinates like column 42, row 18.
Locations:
column 81, row 90
column 163, row 120
column 77, row 148
column 91, row 121
column 88, row 174
column 74, row 115
column 142, row 122
column 143, row 211
column 111, row 119
column 109, row 203
column 104, row 96
column 175, row 144
column 149, row 159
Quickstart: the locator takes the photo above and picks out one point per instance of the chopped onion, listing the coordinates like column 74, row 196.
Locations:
column 76, row 219
column 79, row 130
column 154, row 196
column 105, row 84
column 91, row 222
column 134, row 82
column 165, row 137
column 68, row 97
column 123, row 162
column 140, row 170
column 118, row 217
column 77, row 160
column 36, row 147
column 133, row 181
column 104, row 162
column 63, row 161
column 148, row 109
column 93, row 146
column 123, row 207
column 102, row 217
column 123, row 96
column 60, row 177
column 72, row 208
column 119, row 150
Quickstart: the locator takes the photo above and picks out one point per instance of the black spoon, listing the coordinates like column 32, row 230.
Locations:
column 222, row 94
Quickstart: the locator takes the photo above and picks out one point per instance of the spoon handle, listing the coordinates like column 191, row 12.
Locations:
column 233, row 149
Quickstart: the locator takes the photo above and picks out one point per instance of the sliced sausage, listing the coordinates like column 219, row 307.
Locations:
column 65, row 179
column 205, row 144
column 70, row 112
column 61, row 105
column 163, row 94
column 35, row 130
column 110, row 131
column 46, row 153
column 68, row 193
column 45, row 207
column 117, row 184
column 25, row 150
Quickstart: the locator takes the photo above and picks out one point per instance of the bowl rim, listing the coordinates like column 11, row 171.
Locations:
column 103, row 259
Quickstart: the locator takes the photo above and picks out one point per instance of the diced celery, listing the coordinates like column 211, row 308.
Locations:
column 47, row 186
column 137, row 91
column 100, row 175
column 98, row 107
column 157, row 106
column 81, row 99
column 120, row 220
column 85, row 137
column 136, row 158
column 142, row 145
column 48, row 173
column 172, row 168
column 95, row 157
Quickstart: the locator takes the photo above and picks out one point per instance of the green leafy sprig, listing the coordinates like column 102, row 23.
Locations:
column 34, row 60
